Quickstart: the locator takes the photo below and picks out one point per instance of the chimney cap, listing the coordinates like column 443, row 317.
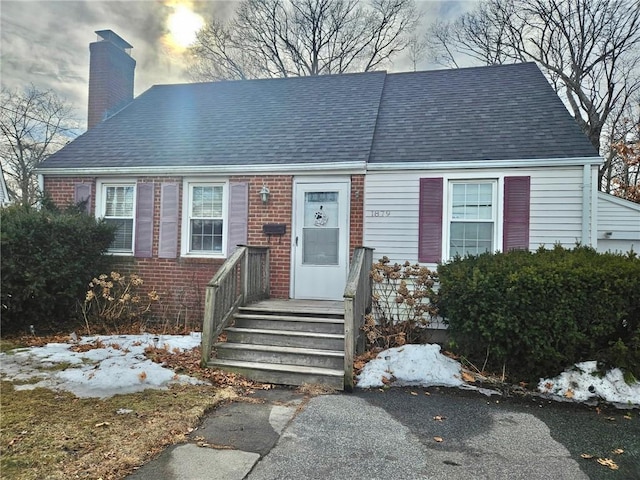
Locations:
column 113, row 37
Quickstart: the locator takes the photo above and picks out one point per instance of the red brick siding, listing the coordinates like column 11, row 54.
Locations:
column 62, row 190
column 356, row 224
column 181, row 282
column 277, row 210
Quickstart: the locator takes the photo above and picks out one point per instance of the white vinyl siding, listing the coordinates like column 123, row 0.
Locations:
column 618, row 224
column 392, row 198
column 556, row 207
column 391, row 208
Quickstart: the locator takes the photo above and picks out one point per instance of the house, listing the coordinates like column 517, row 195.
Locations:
column 420, row 166
column 4, row 192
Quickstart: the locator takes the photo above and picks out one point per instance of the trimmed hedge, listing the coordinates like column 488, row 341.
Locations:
column 48, row 258
column 538, row 313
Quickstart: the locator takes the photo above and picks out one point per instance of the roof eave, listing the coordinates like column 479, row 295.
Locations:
column 476, row 164
column 181, row 170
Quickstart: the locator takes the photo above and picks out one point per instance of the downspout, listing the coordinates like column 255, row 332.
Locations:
column 594, row 206
column 40, row 187
column 586, row 205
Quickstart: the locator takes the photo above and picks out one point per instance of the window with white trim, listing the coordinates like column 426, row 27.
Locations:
column 205, row 214
column 472, row 217
column 118, row 209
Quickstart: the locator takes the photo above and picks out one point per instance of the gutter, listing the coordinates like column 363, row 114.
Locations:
column 477, row 164
column 262, row 169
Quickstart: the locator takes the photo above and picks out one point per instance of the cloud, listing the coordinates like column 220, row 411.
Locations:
column 47, row 42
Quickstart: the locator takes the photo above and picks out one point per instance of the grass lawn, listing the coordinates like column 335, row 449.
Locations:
column 46, row 434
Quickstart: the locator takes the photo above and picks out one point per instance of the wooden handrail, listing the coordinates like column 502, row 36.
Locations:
column 357, row 303
column 242, row 278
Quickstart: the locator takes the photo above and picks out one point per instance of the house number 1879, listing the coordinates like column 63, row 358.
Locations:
column 379, row 213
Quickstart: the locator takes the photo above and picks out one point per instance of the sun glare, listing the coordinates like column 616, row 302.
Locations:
column 183, row 25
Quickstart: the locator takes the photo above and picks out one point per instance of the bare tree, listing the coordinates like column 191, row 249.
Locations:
column 483, row 35
column 589, row 50
column 622, row 162
column 416, row 50
column 282, row 38
column 33, row 125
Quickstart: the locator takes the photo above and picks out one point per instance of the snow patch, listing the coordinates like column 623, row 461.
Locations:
column 117, row 365
column 424, row 365
column 584, row 382
column 411, row 365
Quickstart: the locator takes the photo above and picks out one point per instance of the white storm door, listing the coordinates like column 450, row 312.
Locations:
column 320, row 240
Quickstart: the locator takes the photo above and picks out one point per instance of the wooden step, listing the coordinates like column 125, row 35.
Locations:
column 288, row 322
column 297, row 308
column 283, row 374
column 311, row 357
column 285, row 338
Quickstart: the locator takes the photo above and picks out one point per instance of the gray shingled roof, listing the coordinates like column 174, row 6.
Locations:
column 506, row 112
column 486, row 113
column 322, row 119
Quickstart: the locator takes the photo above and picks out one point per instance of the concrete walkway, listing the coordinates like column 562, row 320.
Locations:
column 230, row 441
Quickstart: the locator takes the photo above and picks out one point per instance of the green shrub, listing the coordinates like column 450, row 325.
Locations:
column 48, row 257
column 537, row 313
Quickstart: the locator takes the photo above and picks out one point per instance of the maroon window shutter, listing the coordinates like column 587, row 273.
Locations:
column 144, row 220
column 430, row 218
column 238, row 216
column 516, row 213
column 169, row 206
column 83, row 193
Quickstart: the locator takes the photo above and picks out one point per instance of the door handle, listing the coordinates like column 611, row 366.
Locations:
column 296, row 240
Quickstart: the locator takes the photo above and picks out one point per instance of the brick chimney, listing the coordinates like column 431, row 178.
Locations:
column 111, row 70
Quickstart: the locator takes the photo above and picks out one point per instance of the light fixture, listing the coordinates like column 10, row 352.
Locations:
column 264, row 194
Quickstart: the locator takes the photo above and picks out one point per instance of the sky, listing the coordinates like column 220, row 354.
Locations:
column 46, row 43
column 103, row 366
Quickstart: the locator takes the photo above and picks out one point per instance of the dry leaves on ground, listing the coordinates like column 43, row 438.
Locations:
column 188, row 363
column 607, row 462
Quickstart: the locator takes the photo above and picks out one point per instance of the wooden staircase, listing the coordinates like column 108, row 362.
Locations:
column 288, row 342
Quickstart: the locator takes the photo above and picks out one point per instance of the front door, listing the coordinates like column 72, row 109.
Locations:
column 320, row 240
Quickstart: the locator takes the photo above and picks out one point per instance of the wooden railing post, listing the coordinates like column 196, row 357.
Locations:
column 357, row 302
column 245, row 276
column 208, row 326
column 349, row 343
column 242, row 278
column 266, row 274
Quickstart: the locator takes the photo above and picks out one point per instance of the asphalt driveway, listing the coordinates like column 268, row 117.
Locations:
column 404, row 433
column 395, row 434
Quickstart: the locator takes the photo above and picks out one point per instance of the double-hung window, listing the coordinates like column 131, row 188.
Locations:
column 472, row 218
column 118, row 209
column 205, row 219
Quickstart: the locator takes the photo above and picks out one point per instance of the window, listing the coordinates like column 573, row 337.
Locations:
column 205, row 219
column 117, row 205
column 469, row 222
column 472, row 218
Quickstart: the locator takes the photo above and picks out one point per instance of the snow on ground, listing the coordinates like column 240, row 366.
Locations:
column 117, row 364
column 584, row 382
column 111, row 364
column 411, row 365
column 424, row 365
